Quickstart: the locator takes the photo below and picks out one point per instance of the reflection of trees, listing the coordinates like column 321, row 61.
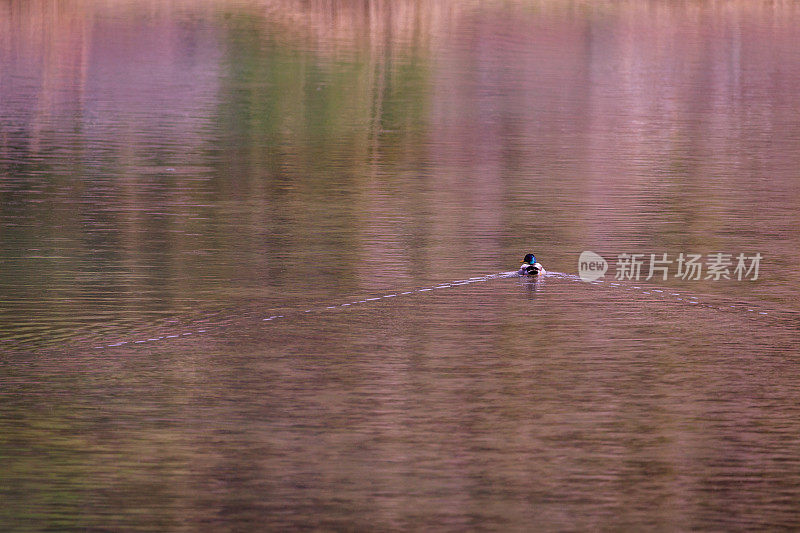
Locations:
column 316, row 139
column 145, row 205
column 84, row 156
column 358, row 131
column 159, row 154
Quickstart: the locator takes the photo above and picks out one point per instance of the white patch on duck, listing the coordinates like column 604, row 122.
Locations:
column 531, row 270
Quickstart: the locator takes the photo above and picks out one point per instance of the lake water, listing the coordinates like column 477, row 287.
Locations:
column 248, row 255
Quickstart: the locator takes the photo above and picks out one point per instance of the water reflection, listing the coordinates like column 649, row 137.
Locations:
column 171, row 167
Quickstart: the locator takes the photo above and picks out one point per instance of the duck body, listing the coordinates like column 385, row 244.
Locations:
column 530, row 267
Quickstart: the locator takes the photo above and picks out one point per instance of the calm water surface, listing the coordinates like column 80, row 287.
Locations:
column 197, row 167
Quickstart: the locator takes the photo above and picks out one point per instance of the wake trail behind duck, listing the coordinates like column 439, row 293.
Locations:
column 218, row 322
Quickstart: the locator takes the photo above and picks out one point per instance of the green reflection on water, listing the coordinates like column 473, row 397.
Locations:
column 242, row 165
column 133, row 220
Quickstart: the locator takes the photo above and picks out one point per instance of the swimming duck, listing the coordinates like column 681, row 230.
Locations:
column 530, row 267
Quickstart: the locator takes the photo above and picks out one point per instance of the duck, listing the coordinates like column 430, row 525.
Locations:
column 530, row 267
